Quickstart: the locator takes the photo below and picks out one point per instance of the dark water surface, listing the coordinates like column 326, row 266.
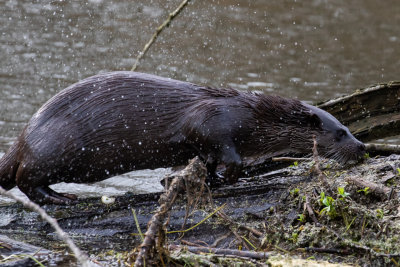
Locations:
column 311, row 50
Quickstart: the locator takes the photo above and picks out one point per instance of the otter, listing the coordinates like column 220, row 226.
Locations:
column 117, row 122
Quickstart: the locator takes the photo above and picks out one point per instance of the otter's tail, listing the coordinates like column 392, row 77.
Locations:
column 8, row 167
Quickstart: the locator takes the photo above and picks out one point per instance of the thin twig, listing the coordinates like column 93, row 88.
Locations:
column 219, row 239
column 328, row 250
column 158, row 31
column 197, row 224
column 316, row 157
column 311, row 211
column 221, row 251
column 193, row 199
column 137, row 224
column 79, row 255
column 185, row 242
column 224, row 216
column 289, row 159
column 321, row 176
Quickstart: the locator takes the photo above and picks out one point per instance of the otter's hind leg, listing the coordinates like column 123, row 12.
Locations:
column 34, row 184
column 46, row 195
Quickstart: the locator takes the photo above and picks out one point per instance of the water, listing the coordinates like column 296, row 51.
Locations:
column 311, row 50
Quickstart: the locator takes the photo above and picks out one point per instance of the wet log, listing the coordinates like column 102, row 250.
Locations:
column 370, row 113
column 96, row 227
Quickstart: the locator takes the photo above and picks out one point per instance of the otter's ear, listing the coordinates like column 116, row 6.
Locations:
column 314, row 121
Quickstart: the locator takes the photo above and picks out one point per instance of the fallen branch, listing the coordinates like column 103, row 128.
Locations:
column 195, row 172
column 158, row 31
column 79, row 255
column 377, row 189
column 224, row 252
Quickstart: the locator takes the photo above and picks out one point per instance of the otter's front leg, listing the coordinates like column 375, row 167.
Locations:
column 213, row 178
column 211, row 164
column 233, row 163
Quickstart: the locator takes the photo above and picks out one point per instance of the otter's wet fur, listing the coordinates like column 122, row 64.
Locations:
column 117, row 122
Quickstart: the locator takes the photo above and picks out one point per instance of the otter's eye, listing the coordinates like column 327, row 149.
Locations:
column 341, row 133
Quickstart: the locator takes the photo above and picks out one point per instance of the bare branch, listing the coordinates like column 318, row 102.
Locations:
column 158, row 31
column 79, row 255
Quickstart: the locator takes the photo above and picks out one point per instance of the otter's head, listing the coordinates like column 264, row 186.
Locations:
column 288, row 125
column 334, row 139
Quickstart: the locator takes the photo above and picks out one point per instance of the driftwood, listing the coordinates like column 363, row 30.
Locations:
column 370, row 113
